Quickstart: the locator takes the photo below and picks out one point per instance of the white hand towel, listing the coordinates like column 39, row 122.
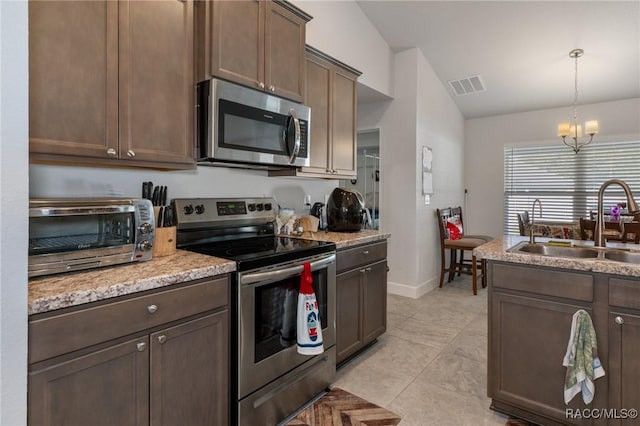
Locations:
column 581, row 359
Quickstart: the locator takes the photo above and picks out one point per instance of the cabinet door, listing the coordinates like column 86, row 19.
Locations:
column 237, row 41
column 189, row 373
column 348, row 315
column 624, row 347
column 528, row 343
column 318, row 97
column 73, row 78
column 284, row 52
column 156, row 81
column 107, row 387
column 343, row 124
column 374, row 301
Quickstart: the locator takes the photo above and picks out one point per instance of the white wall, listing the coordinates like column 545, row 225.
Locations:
column 341, row 30
column 61, row 181
column 486, row 138
column 14, row 225
column 422, row 113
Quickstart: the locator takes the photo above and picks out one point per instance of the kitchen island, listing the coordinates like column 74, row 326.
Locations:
column 532, row 299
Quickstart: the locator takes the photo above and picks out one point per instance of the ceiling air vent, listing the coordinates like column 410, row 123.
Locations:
column 467, row 85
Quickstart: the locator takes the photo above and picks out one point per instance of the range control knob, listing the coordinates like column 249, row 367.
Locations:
column 259, row 207
column 251, row 207
column 145, row 245
column 199, row 209
column 145, row 228
column 267, row 206
column 188, row 209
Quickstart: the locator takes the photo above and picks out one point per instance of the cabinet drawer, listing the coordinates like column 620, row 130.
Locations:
column 79, row 328
column 360, row 255
column 570, row 285
column 624, row 293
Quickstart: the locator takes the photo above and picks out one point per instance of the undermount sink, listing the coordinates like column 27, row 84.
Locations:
column 622, row 256
column 555, row 251
column 578, row 252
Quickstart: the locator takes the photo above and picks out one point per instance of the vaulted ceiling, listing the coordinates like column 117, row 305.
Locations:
column 520, row 49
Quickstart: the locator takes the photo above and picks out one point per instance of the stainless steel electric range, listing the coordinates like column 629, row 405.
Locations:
column 269, row 379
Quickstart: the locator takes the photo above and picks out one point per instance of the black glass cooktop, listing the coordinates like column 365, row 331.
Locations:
column 258, row 252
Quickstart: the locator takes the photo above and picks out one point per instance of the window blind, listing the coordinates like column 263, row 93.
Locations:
column 567, row 184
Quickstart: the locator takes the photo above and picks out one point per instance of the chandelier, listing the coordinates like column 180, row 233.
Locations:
column 574, row 130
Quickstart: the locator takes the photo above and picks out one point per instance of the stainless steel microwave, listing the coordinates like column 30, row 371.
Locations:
column 242, row 126
column 76, row 234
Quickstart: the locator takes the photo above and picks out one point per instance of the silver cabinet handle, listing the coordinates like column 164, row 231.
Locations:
column 152, row 309
column 296, row 139
column 368, row 268
column 162, row 338
column 272, row 88
column 619, row 320
column 366, row 252
column 111, row 152
column 261, row 85
column 131, row 153
column 141, row 346
column 281, row 274
column 362, row 271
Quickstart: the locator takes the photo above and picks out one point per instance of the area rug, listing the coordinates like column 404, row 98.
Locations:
column 341, row 408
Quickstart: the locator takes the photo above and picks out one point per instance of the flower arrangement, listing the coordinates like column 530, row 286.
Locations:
column 615, row 213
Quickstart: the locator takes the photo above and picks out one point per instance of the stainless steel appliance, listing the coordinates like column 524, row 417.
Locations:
column 270, row 379
column 238, row 125
column 345, row 211
column 75, row 234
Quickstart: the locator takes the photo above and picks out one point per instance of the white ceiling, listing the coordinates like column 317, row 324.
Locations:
column 519, row 48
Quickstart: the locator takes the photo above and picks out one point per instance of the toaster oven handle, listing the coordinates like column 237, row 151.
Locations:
column 280, row 274
column 79, row 211
column 296, row 139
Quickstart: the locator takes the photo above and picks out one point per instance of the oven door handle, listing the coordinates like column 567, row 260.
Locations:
column 280, row 274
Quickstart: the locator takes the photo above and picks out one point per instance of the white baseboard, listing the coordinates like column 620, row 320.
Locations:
column 411, row 291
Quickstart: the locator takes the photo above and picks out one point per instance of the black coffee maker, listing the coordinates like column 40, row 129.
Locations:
column 345, row 211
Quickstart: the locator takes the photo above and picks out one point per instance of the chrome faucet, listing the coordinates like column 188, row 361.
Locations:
column 532, row 236
column 598, row 239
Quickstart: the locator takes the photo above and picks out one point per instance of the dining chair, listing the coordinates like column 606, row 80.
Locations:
column 631, row 232
column 523, row 222
column 612, row 230
column 464, row 243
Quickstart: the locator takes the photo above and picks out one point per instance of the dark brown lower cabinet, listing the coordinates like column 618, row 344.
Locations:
column 172, row 374
column 103, row 388
column 624, row 364
column 530, row 314
column 528, row 343
column 361, row 305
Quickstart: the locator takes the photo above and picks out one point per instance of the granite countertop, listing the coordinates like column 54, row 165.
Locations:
column 346, row 239
column 497, row 250
column 65, row 290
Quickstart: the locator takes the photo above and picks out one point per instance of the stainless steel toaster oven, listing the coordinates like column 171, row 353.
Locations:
column 75, row 234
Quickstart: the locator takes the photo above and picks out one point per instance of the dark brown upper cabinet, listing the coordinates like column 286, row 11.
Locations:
column 111, row 82
column 259, row 44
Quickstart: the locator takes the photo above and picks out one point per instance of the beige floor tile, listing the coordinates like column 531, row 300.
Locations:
column 400, row 355
column 436, row 334
column 374, row 383
column 422, row 404
column 456, row 373
column 430, row 366
column 470, row 344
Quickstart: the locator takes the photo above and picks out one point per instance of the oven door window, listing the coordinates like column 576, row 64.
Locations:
column 58, row 234
column 276, row 309
column 251, row 129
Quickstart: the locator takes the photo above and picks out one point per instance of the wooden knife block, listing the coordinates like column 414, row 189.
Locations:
column 164, row 243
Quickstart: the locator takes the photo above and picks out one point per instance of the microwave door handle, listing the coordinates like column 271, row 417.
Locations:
column 280, row 274
column 296, row 139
